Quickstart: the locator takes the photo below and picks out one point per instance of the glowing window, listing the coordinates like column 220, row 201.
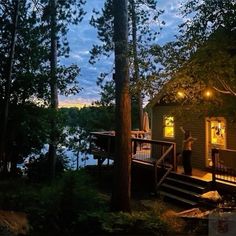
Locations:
column 217, row 132
column 168, row 126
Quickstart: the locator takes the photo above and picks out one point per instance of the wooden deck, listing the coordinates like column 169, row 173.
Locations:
column 197, row 174
column 207, row 176
column 163, row 154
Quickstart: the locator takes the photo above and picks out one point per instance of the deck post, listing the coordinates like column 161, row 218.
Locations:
column 174, row 157
column 155, row 176
column 213, row 156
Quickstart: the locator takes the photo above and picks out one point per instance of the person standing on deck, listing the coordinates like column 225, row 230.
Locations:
column 187, row 151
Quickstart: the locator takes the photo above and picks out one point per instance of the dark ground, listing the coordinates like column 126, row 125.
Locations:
column 143, row 198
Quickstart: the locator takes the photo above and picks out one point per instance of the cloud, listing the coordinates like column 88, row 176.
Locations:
column 83, row 36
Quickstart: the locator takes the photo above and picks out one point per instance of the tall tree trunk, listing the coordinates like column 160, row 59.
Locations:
column 3, row 139
column 138, row 95
column 122, row 175
column 53, row 87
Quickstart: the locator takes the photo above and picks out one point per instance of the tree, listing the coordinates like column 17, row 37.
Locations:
column 212, row 29
column 8, row 75
column 31, row 72
column 58, row 14
column 53, row 85
column 142, row 33
column 205, row 49
column 122, row 174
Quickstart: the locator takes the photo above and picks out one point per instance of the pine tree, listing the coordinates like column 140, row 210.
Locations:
column 142, row 33
column 122, row 173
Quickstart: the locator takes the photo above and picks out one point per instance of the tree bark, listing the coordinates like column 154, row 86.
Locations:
column 122, row 174
column 138, row 96
column 54, row 89
column 3, row 158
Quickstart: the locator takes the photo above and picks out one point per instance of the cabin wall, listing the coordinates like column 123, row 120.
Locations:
column 230, row 135
column 192, row 122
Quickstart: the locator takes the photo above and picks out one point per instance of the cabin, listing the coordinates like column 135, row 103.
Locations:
column 158, row 151
column 188, row 100
column 212, row 131
column 185, row 101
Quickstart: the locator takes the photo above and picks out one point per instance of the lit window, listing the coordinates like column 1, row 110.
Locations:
column 168, row 126
column 217, row 132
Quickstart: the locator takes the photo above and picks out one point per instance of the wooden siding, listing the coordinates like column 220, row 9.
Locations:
column 230, row 135
column 194, row 123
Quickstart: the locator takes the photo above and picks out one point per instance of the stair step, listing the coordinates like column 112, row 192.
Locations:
column 180, row 190
column 190, row 184
column 177, row 198
column 190, row 179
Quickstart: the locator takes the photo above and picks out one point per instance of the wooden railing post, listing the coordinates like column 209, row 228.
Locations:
column 174, row 157
column 134, row 147
column 213, row 157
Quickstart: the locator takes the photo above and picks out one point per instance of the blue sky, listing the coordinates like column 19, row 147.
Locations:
column 83, row 36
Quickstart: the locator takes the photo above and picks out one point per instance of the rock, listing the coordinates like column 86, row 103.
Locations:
column 193, row 213
column 212, row 196
column 13, row 223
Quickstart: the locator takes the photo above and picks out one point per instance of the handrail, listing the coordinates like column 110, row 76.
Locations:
column 169, row 146
column 163, row 178
column 164, row 155
column 166, row 143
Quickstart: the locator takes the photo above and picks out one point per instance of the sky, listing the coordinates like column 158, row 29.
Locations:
column 83, row 36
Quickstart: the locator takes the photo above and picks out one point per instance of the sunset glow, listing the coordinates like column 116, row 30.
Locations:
column 74, row 103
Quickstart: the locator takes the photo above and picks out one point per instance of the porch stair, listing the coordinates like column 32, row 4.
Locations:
column 182, row 189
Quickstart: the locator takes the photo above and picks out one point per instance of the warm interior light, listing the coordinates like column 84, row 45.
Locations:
column 168, row 126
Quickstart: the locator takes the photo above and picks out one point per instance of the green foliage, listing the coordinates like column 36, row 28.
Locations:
column 70, row 116
column 103, row 22
column 137, row 223
column 120, row 223
column 28, row 131
column 92, row 118
column 80, row 122
column 38, row 169
column 142, row 35
column 210, row 40
column 53, row 208
column 71, row 206
column 30, row 83
column 207, row 16
column 204, row 52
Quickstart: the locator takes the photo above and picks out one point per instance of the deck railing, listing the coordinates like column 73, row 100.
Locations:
column 102, row 144
column 224, row 165
column 158, row 154
column 155, row 153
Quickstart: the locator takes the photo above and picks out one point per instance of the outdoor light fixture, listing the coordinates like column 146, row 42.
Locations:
column 180, row 94
column 208, row 93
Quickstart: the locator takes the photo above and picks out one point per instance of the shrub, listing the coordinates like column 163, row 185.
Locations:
column 38, row 168
column 120, row 223
column 53, row 207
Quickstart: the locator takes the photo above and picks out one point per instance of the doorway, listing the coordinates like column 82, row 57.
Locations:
column 215, row 136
